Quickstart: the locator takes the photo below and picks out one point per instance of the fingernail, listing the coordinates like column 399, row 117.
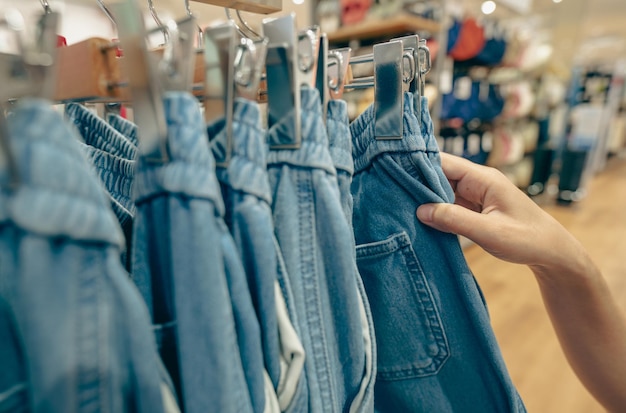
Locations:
column 425, row 212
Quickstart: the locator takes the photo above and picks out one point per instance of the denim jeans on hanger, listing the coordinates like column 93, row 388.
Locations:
column 116, row 174
column 83, row 327
column 179, row 264
column 13, row 375
column 125, row 127
column 340, row 141
column 436, row 349
column 316, row 241
column 246, row 192
column 99, row 134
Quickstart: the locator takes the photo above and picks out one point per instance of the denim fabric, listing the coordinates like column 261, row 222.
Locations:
column 316, row 242
column 13, row 379
column 125, row 127
column 116, row 174
column 179, row 265
column 340, row 141
column 246, row 192
column 97, row 133
column 436, row 349
column 84, row 328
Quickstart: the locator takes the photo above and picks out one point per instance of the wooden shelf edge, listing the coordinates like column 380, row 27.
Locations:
column 388, row 27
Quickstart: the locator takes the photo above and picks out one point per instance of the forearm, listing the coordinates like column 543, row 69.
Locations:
column 590, row 326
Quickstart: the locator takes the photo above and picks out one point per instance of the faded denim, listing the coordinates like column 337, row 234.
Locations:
column 316, row 242
column 125, row 127
column 83, row 327
column 97, row 133
column 436, row 349
column 180, row 267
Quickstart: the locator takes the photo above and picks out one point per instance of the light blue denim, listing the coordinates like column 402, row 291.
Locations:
column 436, row 349
column 125, row 127
column 180, row 265
column 340, row 141
column 97, row 133
column 83, row 327
column 316, row 242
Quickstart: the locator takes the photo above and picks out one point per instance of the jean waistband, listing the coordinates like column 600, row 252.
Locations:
column 125, row 127
column 427, row 127
column 339, row 137
column 58, row 193
column 190, row 170
column 313, row 151
column 97, row 133
column 115, row 173
column 247, row 168
column 366, row 147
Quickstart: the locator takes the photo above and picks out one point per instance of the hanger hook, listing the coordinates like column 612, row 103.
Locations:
column 158, row 21
column 46, row 6
column 248, row 32
column 107, row 12
column 200, row 35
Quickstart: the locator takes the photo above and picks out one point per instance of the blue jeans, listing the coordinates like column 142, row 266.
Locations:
column 97, row 133
column 436, row 349
column 179, row 266
column 116, row 174
column 340, row 141
column 127, row 128
column 80, row 321
column 316, row 241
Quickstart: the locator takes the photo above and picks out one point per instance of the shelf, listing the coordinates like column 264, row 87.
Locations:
column 390, row 27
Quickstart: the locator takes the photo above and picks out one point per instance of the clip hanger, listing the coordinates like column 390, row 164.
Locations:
column 148, row 77
column 233, row 67
column 394, row 70
column 338, row 65
column 291, row 63
column 321, row 77
column 413, row 42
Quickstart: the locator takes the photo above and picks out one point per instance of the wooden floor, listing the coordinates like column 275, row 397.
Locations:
column 529, row 345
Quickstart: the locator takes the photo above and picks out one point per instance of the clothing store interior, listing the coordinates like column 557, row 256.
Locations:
column 150, row 172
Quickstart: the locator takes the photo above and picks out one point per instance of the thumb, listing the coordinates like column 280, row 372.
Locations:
column 451, row 218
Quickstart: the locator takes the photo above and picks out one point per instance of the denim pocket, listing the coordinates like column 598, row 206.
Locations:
column 409, row 333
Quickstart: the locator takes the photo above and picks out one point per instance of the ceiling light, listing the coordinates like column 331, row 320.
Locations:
column 298, row 2
column 556, row 1
column 488, row 7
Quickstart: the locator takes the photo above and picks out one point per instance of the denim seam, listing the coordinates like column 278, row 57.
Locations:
column 312, row 297
column 89, row 386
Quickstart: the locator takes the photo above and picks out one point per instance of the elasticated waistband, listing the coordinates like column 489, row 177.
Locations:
column 58, row 192
column 97, row 133
column 313, row 151
column 340, row 139
column 247, row 168
column 190, row 170
column 366, row 147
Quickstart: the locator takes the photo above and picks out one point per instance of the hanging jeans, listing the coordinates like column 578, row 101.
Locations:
column 116, row 174
column 436, row 349
column 316, row 241
column 179, row 266
column 246, row 192
column 125, row 127
column 340, row 142
column 83, row 327
column 97, row 133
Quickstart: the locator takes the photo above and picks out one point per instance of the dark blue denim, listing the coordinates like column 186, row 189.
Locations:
column 316, row 242
column 13, row 376
column 340, row 141
column 97, row 133
column 83, row 327
column 179, row 265
column 436, row 349
column 116, row 174
column 125, row 127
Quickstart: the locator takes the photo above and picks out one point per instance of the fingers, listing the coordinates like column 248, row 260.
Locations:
column 453, row 218
column 469, row 180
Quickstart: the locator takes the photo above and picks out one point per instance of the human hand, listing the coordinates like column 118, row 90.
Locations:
column 496, row 215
